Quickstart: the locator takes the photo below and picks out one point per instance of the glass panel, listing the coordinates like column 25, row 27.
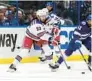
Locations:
column 21, row 13
column 8, row 13
column 85, row 9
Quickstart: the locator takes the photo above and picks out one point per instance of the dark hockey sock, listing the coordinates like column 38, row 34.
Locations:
column 89, row 59
column 18, row 58
column 60, row 60
column 49, row 57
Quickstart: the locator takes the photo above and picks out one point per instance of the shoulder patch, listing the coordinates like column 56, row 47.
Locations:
column 83, row 23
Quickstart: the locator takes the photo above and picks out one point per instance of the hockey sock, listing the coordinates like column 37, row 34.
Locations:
column 19, row 57
column 60, row 60
column 49, row 57
column 47, row 50
column 17, row 60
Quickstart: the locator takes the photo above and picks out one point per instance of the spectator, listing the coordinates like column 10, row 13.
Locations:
column 30, row 16
column 67, row 18
column 2, row 19
column 85, row 9
column 11, row 19
column 21, row 18
column 59, row 7
column 12, row 7
column 3, row 8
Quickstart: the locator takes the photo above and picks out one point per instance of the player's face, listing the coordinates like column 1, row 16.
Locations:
column 89, row 23
column 43, row 18
column 49, row 8
column 38, row 17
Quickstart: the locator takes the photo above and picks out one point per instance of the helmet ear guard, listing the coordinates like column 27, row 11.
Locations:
column 89, row 17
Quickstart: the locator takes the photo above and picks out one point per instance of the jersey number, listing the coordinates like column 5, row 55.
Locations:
column 79, row 27
column 38, row 28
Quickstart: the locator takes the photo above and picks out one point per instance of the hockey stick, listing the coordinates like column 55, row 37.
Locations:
column 68, row 67
column 85, row 60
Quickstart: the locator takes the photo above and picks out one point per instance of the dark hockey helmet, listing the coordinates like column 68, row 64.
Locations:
column 49, row 4
column 89, row 17
column 89, row 20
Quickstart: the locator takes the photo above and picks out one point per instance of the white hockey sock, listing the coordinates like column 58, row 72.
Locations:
column 19, row 57
column 47, row 50
column 16, row 62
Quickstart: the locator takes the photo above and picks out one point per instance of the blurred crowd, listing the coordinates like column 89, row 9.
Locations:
column 21, row 13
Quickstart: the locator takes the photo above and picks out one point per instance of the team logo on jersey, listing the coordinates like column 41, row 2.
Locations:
column 83, row 23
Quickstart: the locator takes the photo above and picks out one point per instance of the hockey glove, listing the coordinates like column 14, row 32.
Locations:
column 50, row 40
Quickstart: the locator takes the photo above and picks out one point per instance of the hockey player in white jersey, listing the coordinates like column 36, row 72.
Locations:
column 53, row 23
column 34, row 32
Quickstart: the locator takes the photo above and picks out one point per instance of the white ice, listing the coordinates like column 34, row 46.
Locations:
column 41, row 72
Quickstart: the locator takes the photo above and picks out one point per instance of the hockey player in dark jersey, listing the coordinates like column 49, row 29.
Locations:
column 81, row 35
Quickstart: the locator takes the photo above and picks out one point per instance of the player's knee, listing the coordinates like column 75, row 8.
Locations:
column 74, row 44
column 23, row 53
column 77, row 44
column 88, row 46
column 68, row 52
column 47, row 50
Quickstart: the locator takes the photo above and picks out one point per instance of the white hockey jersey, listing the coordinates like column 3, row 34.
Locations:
column 53, row 21
column 36, row 31
column 58, row 19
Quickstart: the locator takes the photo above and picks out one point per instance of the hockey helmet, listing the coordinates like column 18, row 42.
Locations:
column 49, row 4
column 89, row 17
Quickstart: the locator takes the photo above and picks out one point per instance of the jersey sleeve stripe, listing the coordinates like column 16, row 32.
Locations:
column 41, row 34
column 31, row 35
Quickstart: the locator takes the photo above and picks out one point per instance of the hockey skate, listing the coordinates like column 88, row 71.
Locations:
column 54, row 67
column 89, row 63
column 12, row 68
column 43, row 59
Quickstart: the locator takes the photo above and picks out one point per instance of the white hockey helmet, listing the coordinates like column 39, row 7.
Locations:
column 42, row 12
column 45, row 10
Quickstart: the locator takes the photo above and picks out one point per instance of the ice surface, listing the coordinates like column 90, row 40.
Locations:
column 42, row 72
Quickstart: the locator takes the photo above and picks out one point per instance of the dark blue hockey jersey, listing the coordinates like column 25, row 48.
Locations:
column 82, row 32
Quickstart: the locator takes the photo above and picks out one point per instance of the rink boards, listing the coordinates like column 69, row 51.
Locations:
column 11, row 39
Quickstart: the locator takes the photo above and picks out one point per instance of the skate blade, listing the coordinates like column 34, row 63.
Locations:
column 11, row 70
column 43, row 62
column 54, row 70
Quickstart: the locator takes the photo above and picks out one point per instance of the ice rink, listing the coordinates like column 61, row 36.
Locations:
column 41, row 72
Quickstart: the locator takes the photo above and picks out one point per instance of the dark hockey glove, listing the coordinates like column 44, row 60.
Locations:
column 50, row 40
